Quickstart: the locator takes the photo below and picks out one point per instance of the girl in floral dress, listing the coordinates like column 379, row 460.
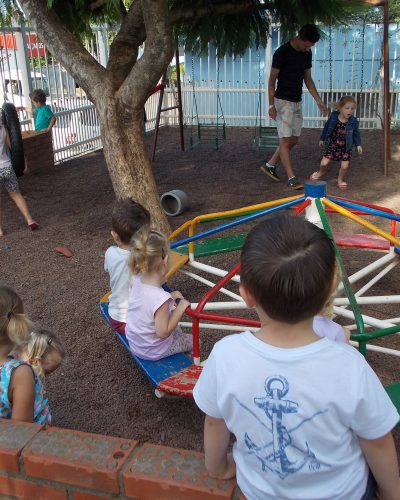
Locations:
column 341, row 132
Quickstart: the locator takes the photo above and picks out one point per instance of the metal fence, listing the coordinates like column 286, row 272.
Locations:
column 345, row 61
column 25, row 64
column 237, row 85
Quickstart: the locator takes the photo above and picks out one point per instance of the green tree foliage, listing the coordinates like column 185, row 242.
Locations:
column 232, row 32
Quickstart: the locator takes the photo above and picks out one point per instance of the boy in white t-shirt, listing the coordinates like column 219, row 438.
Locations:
column 127, row 218
column 310, row 418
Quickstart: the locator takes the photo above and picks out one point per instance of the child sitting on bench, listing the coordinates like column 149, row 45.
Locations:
column 153, row 313
column 127, row 218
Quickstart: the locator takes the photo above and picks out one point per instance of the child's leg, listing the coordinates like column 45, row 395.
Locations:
column 181, row 342
column 22, row 206
column 344, row 166
column 117, row 326
column 1, row 231
column 323, row 166
column 10, row 182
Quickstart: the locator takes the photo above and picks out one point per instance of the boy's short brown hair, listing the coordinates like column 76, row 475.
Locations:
column 288, row 265
column 38, row 95
column 128, row 217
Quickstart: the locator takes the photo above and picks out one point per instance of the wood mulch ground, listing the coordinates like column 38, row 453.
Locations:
column 99, row 389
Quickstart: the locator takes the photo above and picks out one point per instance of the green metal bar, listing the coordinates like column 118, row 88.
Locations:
column 352, row 300
column 375, row 334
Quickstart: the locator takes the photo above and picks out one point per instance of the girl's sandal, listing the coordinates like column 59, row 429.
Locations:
column 316, row 176
column 342, row 185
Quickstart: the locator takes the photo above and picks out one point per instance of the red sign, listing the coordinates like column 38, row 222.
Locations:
column 35, row 48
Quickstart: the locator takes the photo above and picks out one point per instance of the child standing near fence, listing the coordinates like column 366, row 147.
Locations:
column 153, row 314
column 309, row 416
column 44, row 116
column 341, row 132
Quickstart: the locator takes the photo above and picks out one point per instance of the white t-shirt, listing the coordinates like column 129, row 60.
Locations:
column 296, row 414
column 116, row 265
column 140, row 330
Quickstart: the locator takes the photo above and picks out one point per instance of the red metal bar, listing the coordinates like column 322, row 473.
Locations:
column 207, row 296
column 363, row 203
column 230, row 320
column 299, row 208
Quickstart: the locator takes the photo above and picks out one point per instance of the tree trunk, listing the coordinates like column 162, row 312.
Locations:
column 122, row 132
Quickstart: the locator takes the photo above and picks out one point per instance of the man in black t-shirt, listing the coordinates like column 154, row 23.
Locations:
column 291, row 65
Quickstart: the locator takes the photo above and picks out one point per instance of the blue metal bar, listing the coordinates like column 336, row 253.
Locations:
column 218, row 229
column 372, row 211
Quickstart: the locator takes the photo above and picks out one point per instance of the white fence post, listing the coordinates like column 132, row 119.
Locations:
column 103, row 46
column 23, row 65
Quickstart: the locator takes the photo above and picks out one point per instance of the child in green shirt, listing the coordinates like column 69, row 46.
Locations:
column 44, row 117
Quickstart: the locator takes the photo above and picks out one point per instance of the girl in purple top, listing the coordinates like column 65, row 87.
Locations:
column 152, row 317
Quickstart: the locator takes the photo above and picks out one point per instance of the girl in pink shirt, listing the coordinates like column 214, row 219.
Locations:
column 152, row 317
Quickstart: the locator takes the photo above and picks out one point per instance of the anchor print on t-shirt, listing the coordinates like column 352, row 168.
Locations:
column 280, row 452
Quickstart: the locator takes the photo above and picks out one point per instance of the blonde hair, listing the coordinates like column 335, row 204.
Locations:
column 148, row 249
column 343, row 101
column 327, row 310
column 14, row 324
column 36, row 347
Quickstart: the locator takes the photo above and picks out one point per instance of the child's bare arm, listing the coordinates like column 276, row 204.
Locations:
column 22, row 394
column 51, row 124
column 382, row 460
column 347, row 333
column 166, row 323
column 7, row 140
column 219, row 463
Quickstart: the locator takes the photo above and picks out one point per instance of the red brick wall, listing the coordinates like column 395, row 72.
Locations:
column 60, row 464
column 38, row 150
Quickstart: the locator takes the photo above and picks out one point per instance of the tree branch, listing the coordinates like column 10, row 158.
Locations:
column 190, row 13
column 69, row 50
column 124, row 48
column 156, row 56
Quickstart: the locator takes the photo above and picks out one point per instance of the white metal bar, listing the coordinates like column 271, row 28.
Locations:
column 374, row 280
column 380, row 299
column 370, row 268
column 377, row 348
column 212, row 270
column 368, row 320
column 211, row 284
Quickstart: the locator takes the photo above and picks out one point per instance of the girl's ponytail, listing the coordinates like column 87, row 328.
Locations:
column 14, row 324
column 39, row 344
column 147, row 248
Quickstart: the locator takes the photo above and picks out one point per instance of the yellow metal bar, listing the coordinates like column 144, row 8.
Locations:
column 226, row 213
column 179, row 230
column 362, row 222
column 191, row 243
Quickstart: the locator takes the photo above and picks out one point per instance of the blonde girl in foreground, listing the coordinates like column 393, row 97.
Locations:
column 26, row 356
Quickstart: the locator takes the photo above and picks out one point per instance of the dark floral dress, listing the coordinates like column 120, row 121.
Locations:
column 337, row 144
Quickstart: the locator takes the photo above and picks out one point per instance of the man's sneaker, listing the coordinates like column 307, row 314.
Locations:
column 270, row 170
column 294, row 183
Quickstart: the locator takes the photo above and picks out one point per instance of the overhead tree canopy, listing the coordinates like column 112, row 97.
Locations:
column 120, row 90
